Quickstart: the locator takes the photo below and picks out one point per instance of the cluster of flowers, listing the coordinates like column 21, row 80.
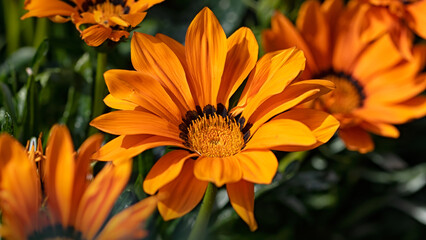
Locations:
column 351, row 66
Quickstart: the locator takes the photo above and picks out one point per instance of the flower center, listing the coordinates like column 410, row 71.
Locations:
column 212, row 134
column 107, row 12
column 56, row 232
column 347, row 96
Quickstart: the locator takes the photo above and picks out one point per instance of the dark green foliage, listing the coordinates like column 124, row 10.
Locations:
column 329, row 193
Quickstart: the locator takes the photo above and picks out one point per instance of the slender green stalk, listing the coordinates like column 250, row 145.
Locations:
column 30, row 109
column 11, row 19
column 200, row 226
column 27, row 26
column 41, row 31
column 100, row 89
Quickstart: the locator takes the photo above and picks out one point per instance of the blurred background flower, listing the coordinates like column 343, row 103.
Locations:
column 96, row 20
column 328, row 193
column 375, row 86
column 72, row 206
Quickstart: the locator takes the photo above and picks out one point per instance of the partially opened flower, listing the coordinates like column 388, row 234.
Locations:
column 76, row 207
column 179, row 95
column 375, row 86
column 398, row 18
column 97, row 20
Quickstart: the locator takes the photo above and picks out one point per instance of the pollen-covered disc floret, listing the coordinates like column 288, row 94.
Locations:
column 107, row 12
column 215, row 136
column 212, row 132
column 347, row 96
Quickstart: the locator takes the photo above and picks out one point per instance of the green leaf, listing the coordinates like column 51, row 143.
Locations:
column 6, row 123
column 125, row 200
column 18, row 60
column 8, row 100
column 289, row 164
column 414, row 210
column 39, row 56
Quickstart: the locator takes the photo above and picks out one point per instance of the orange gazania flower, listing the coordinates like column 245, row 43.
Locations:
column 398, row 18
column 103, row 19
column 375, row 86
column 76, row 208
column 179, row 95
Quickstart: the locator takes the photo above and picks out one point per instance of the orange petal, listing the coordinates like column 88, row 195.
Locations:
column 294, row 94
column 322, row 125
column 272, row 74
column 150, row 55
column 125, row 122
column 20, row 195
column 241, row 196
column 83, row 18
column 315, row 30
column 378, row 21
column 129, row 223
column 380, row 55
column 397, row 89
column 396, row 113
column 240, row 60
column 400, row 82
column 332, row 10
column 284, row 35
column 118, row 21
column 60, row 171
column 381, row 129
column 351, row 24
column 356, row 139
column 117, row 103
column 181, row 195
column 258, row 166
column 165, row 170
column 116, row 35
column 144, row 90
column 95, row 35
column 281, row 132
column 134, row 19
column 100, row 196
column 175, row 46
column 403, row 40
column 417, row 19
column 82, row 169
column 140, row 6
column 205, row 48
column 43, row 9
column 128, row 146
column 218, row 170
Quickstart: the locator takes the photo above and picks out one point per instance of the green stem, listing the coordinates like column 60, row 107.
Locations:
column 30, row 109
column 41, row 31
column 199, row 229
column 11, row 18
column 100, row 89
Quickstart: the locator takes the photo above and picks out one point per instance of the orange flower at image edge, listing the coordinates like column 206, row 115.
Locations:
column 410, row 12
column 76, row 207
column 375, row 86
column 179, row 95
column 105, row 19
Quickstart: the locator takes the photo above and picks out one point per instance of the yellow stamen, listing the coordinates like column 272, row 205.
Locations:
column 215, row 136
column 108, row 14
column 34, row 149
column 345, row 98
